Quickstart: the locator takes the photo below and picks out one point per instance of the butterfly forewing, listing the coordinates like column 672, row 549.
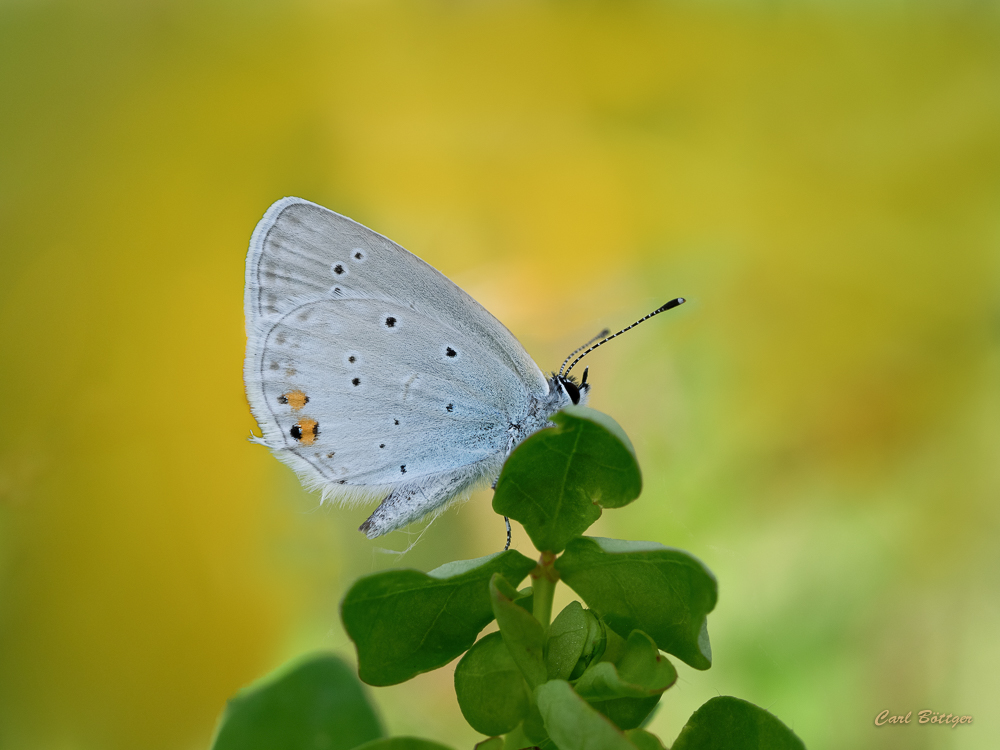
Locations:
column 301, row 251
column 367, row 367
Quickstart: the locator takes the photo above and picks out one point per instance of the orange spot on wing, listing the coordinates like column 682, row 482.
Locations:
column 309, row 429
column 296, row 399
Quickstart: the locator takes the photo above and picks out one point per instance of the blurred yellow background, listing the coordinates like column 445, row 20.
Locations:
column 820, row 424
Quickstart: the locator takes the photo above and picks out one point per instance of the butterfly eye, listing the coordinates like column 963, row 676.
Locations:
column 571, row 390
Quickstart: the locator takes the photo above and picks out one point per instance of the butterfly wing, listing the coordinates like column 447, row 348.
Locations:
column 369, row 371
column 301, row 251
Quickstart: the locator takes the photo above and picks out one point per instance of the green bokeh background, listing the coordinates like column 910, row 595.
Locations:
column 820, row 423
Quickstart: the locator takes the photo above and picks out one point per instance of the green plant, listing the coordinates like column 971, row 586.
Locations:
column 587, row 679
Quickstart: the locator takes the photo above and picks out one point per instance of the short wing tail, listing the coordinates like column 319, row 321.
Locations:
column 412, row 502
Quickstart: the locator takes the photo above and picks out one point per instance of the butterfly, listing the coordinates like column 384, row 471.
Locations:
column 375, row 377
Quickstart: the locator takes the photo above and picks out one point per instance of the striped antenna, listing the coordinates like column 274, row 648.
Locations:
column 671, row 304
column 579, row 349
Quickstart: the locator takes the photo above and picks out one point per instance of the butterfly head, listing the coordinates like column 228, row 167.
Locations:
column 569, row 389
column 565, row 387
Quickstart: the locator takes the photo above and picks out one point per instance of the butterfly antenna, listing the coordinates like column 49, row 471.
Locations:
column 579, row 349
column 671, row 304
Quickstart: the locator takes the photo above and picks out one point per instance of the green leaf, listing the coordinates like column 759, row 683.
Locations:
column 640, row 673
column 533, row 727
column 400, row 743
column 628, row 713
column 493, row 743
column 644, row 740
column 404, row 622
column 526, row 598
column 519, row 740
column 736, row 725
column 574, row 640
column 614, row 644
column 573, row 724
column 556, row 482
column 315, row 703
column 491, row 690
column 523, row 635
column 645, row 586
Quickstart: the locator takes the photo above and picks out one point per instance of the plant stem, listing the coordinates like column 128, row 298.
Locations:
column 543, row 584
column 543, row 591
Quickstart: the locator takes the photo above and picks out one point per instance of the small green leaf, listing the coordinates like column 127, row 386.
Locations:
column 736, row 725
column 570, row 634
column 534, row 726
column 519, row 740
column 526, row 598
column 521, row 632
column 573, row 724
column 493, row 743
column 602, row 683
column 614, row 644
column 556, row 482
column 316, row 703
column 644, row 740
column 400, row 743
column 645, row 586
column 491, row 690
column 628, row 713
column 640, row 673
column 404, row 622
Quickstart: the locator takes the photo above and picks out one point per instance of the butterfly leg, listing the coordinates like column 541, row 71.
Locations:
column 505, row 519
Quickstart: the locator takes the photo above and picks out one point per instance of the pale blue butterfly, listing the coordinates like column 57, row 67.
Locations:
column 375, row 377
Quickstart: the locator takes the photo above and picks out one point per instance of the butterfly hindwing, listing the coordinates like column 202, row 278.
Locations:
column 330, row 398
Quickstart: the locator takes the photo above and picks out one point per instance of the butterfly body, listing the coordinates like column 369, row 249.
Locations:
column 374, row 376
